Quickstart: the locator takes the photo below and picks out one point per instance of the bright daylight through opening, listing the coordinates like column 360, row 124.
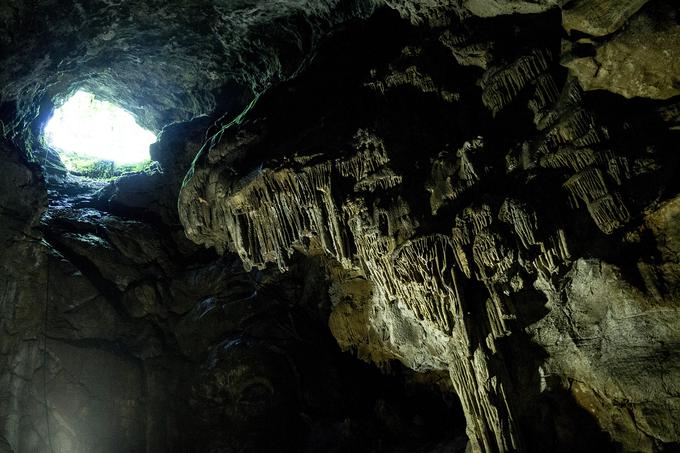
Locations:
column 87, row 129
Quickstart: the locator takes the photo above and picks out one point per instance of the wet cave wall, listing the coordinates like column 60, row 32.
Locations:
column 374, row 226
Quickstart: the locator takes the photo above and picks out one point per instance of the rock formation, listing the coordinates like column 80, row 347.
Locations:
column 373, row 226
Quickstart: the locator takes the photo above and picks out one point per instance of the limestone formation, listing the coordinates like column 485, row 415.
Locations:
column 502, row 85
column 395, row 288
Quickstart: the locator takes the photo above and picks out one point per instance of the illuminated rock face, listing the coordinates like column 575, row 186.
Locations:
column 639, row 60
column 427, row 231
column 435, row 241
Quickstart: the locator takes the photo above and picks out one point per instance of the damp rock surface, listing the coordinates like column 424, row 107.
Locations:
column 371, row 226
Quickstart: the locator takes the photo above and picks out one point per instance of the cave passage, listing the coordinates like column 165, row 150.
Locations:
column 85, row 130
column 322, row 226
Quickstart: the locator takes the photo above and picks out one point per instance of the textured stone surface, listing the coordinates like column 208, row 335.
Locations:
column 600, row 315
column 598, row 18
column 372, row 227
column 164, row 62
column 640, row 60
column 138, row 330
column 490, row 8
column 442, row 288
column 22, row 268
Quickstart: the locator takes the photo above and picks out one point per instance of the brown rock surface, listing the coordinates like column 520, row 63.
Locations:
column 641, row 60
column 598, row 18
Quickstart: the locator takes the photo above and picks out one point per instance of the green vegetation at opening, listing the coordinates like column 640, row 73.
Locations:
column 96, row 139
column 92, row 167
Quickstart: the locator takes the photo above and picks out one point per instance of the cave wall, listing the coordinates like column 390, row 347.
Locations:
column 120, row 335
column 375, row 226
column 477, row 210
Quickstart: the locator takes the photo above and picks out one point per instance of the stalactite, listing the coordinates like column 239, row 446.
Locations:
column 570, row 131
column 276, row 209
column 273, row 212
column 441, row 182
column 577, row 129
column 499, row 311
column 561, row 245
column 489, row 422
column 592, row 137
column 495, row 316
column 545, row 263
column 461, row 239
column 465, row 52
column 573, row 90
column 384, row 179
column 607, row 209
column 411, row 76
column 449, row 178
column 587, row 185
column 491, row 256
column 552, row 247
column 367, row 167
column 502, row 85
column 478, row 217
column 420, row 273
column 570, row 157
column 370, row 157
column 375, row 248
column 618, row 168
column 466, row 168
column 609, row 212
column 427, row 282
column 544, row 96
column 524, row 221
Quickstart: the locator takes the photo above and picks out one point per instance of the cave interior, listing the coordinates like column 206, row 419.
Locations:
column 394, row 226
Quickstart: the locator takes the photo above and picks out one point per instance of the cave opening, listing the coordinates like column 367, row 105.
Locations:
column 97, row 138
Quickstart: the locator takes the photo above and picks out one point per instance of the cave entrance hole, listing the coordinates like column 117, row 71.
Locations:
column 89, row 133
